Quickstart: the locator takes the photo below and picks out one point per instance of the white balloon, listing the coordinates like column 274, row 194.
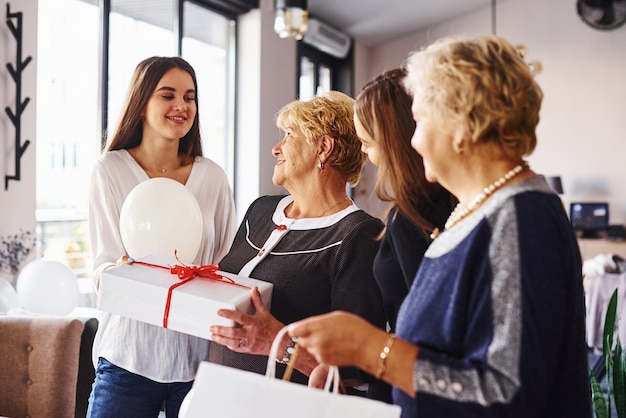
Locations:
column 8, row 297
column 47, row 287
column 160, row 216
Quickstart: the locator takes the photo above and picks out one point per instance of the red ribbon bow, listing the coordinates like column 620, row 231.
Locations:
column 187, row 273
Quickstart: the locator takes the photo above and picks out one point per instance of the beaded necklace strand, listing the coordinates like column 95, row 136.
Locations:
column 459, row 213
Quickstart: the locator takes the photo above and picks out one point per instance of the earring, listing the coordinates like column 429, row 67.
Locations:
column 320, row 165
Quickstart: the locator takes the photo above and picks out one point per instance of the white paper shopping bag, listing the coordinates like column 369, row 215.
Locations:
column 225, row 392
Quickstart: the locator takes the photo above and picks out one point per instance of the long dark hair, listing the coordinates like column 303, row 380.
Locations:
column 144, row 81
column 384, row 109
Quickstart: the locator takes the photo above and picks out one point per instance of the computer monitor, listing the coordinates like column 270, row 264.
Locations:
column 589, row 218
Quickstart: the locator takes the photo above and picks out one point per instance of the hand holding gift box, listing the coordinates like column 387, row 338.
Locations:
column 255, row 333
column 140, row 291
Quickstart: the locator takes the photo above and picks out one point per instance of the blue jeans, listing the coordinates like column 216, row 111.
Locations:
column 118, row 393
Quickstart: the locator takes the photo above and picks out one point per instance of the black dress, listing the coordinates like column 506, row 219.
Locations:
column 395, row 266
column 318, row 266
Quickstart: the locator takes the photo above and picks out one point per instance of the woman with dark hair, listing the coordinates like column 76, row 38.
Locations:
column 143, row 85
column 384, row 124
column 141, row 367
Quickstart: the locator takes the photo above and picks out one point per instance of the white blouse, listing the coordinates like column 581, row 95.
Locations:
column 151, row 351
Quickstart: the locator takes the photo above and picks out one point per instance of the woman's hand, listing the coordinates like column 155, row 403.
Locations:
column 255, row 332
column 344, row 339
column 124, row 260
column 337, row 338
column 317, row 378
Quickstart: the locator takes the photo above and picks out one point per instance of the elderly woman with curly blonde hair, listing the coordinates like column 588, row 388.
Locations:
column 314, row 244
column 493, row 325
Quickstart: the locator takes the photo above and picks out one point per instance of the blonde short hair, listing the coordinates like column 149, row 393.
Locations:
column 331, row 114
column 482, row 83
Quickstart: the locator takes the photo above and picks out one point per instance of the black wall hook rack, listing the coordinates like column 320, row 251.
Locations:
column 16, row 74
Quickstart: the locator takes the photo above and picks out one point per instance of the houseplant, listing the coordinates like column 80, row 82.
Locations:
column 614, row 357
column 14, row 249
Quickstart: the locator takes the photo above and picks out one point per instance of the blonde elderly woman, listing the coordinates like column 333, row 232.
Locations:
column 314, row 244
column 493, row 325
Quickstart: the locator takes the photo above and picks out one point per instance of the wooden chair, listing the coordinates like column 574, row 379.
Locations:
column 39, row 358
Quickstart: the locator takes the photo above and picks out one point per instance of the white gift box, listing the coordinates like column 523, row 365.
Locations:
column 140, row 292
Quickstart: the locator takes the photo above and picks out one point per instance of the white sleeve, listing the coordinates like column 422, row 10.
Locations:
column 104, row 215
column 225, row 220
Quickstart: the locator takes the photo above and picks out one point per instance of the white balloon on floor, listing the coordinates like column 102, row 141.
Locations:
column 47, row 287
column 160, row 216
column 8, row 297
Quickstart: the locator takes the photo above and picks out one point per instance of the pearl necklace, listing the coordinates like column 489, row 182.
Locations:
column 459, row 213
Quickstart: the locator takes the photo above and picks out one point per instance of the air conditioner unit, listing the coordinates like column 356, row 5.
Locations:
column 327, row 39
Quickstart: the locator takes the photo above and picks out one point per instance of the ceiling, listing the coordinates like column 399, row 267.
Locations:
column 373, row 22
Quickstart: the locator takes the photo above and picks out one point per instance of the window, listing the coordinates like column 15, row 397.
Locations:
column 71, row 62
column 67, row 137
column 216, row 82
column 320, row 72
column 137, row 30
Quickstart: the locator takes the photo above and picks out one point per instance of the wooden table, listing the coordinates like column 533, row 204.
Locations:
column 589, row 248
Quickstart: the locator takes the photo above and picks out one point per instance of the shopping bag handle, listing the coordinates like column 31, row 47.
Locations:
column 270, row 372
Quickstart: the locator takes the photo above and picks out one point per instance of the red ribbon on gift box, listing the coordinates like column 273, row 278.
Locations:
column 187, row 273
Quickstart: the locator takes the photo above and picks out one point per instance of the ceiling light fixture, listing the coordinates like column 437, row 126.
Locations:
column 291, row 19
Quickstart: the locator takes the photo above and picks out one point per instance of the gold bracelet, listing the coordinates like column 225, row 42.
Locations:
column 384, row 355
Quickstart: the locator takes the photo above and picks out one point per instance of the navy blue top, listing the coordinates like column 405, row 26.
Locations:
column 497, row 310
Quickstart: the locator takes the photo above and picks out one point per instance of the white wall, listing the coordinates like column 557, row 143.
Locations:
column 17, row 202
column 267, row 81
column 582, row 135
